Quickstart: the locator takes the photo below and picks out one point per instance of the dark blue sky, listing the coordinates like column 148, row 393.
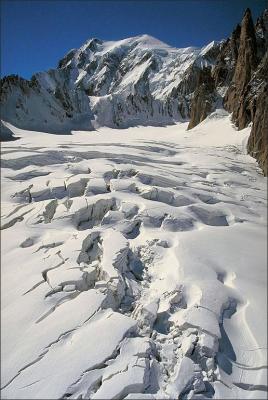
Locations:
column 35, row 34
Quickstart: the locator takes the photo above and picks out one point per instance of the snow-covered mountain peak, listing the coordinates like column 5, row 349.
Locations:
column 142, row 41
column 114, row 83
column 136, row 245
column 149, row 42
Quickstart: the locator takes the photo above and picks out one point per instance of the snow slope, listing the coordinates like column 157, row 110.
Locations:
column 133, row 264
column 138, row 80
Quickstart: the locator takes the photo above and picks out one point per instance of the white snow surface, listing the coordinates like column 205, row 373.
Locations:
column 133, row 264
column 134, row 81
column 171, row 63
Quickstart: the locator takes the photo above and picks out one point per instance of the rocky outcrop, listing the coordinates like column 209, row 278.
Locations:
column 6, row 134
column 203, row 98
column 246, row 97
column 258, row 104
column 239, row 77
column 258, row 139
column 221, row 76
column 246, row 64
column 223, row 70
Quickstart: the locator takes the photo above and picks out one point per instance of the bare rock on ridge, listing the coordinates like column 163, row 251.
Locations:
column 5, row 133
column 241, row 71
column 258, row 140
column 203, row 99
column 245, row 66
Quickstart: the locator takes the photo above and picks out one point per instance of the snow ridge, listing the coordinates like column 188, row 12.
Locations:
column 138, row 80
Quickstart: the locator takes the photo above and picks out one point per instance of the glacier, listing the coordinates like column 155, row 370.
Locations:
column 134, row 260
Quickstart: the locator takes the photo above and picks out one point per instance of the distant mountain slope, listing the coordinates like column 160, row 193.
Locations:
column 139, row 80
column 143, row 81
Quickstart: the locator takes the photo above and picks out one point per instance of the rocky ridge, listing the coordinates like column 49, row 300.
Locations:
column 142, row 81
column 203, row 99
column 239, row 77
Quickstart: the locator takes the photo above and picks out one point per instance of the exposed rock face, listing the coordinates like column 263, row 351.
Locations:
column 223, row 70
column 245, row 66
column 258, row 140
column 258, row 103
column 203, row 99
column 246, row 98
column 5, row 133
column 240, row 79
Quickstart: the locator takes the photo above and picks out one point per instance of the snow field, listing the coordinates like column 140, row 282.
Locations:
column 134, row 264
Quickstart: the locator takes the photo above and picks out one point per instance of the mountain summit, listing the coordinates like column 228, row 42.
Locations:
column 138, row 80
column 143, row 81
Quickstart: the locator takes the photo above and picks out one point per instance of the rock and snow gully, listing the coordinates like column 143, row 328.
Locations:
column 133, row 268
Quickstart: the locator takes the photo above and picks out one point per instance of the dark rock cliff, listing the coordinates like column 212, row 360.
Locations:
column 258, row 102
column 246, row 64
column 5, row 133
column 241, row 69
column 203, row 99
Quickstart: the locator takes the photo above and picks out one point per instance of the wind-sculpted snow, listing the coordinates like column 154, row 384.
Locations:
column 133, row 265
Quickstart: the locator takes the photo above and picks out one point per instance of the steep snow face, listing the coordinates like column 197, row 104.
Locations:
column 115, row 83
column 117, row 67
column 133, row 268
